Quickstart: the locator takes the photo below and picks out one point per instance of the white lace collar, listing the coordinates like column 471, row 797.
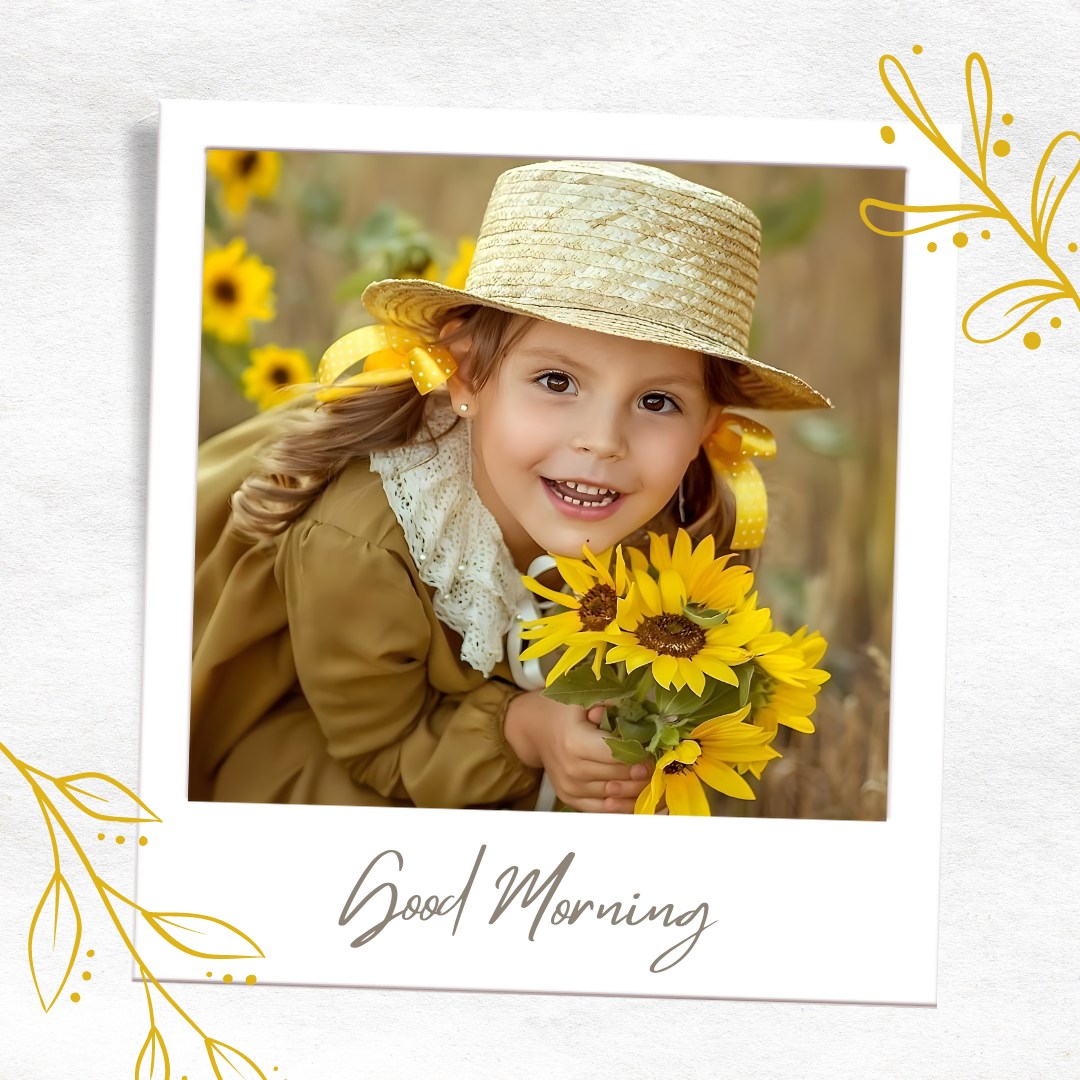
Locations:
column 455, row 542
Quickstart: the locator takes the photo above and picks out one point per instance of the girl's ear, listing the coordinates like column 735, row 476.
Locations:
column 458, row 384
column 712, row 418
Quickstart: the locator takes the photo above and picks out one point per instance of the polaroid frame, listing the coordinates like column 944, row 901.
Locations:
column 289, row 875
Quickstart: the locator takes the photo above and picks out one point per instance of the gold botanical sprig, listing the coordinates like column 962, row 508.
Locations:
column 56, row 927
column 1012, row 304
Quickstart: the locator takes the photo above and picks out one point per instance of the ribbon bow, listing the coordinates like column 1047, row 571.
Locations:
column 389, row 355
column 732, row 443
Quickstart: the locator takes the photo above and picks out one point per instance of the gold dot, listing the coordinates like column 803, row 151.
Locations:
column 226, row 978
column 1072, row 247
column 76, row 997
column 1001, row 148
column 89, row 952
column 1032, row 340
column 931, row 246
column 142, row 841
column 1007, row 118
column 120, row 839
column 959, row 239
column 1055, row 322
column 916, row 49
column 985, row 234
column 101, row 836
column 250, row 980
column 209, row 974
column 887, row 134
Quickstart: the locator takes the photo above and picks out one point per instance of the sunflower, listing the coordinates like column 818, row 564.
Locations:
column 785, row 683
column 679, row 622
column 236, row 289
column 706, row 757
column 591, row 609
column 459, row 268
column 244, row 173
column 273, row 373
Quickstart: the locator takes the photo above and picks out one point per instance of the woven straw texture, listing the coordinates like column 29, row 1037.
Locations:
column 619, row 248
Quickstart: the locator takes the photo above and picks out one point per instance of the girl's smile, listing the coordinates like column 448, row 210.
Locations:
column 581, row 437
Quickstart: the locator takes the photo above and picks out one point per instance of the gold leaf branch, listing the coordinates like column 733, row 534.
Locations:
column 1061, row 158
column 56, row 926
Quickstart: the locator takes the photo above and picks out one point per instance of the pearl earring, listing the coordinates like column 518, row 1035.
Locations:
column 463, row 407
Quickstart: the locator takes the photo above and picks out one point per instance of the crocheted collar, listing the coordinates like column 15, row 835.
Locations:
column 454, row 540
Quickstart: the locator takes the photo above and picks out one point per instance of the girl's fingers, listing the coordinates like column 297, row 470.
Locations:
column 602, row 806
column 626, row 789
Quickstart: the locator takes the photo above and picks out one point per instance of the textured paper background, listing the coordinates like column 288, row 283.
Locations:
column 79, row 85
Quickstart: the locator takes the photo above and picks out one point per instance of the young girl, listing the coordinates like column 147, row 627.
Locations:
column 358, row 559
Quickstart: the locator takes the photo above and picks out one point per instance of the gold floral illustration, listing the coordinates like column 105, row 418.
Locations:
column 1009, row 306
column 56, row 928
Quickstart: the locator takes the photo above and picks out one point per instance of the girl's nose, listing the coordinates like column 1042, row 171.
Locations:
column 603, row 436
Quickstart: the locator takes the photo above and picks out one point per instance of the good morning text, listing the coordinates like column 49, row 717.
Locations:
column 381, row 905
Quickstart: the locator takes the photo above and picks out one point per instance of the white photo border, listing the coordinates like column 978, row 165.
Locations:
column 839, row 911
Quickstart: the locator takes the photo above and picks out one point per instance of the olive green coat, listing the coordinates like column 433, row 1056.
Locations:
column 320, row 671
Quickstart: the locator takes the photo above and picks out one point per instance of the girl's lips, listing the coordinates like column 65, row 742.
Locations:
column 584, row 512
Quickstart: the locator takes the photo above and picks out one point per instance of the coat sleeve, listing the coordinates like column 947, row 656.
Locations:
column 360, row 638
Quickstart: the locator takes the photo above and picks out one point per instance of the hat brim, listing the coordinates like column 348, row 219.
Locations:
column 422, row 306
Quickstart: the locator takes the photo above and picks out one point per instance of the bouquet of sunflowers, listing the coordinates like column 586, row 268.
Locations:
column 693, row 673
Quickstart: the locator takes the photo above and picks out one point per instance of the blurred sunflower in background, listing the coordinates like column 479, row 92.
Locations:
column 244, row 174
column 273, row 375
column 237, row 288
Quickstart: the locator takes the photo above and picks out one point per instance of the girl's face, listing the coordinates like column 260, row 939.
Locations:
column 581, row 437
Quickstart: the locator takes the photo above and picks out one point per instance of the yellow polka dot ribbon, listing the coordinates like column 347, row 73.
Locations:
column 389, row 355
column 735, row 440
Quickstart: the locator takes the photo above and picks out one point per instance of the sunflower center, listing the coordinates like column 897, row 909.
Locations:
column 598, row 607
column 671, row 635
column 278, row 376
column 225, row 291
column 246, row 162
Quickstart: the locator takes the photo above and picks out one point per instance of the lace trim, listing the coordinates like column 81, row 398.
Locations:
column 455, row 542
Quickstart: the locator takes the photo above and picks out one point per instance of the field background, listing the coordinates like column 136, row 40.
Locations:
column 828, row 309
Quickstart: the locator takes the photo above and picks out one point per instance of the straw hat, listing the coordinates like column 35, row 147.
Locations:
column 621, row 248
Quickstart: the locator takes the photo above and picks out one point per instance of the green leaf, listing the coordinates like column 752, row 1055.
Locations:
column 320, row 204
column 639, row 730
column 825, row 436
column 746, row 676
column 212, row 215
column 725, row 701
column 703, row 616
column 670, row 736
column 684, row 702
column 788, row 222
column 579, row 686
column 626, row 751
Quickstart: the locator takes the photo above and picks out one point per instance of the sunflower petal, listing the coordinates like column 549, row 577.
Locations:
column 575, row 573
column 649, row 593
column 672, row 591
column 659, row 555
column 650, row 795
column 685, row 795
column 664, row 669
column 692, row 675
column 550, row 594
column 600, row 563
column 723, row 778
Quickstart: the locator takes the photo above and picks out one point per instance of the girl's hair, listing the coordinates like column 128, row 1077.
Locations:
column 316, row 444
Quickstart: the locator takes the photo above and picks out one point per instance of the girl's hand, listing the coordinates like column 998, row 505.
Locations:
column 565, row 740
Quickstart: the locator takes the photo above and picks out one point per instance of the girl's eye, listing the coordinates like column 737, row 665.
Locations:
column 659, row 403
column 558, row 382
